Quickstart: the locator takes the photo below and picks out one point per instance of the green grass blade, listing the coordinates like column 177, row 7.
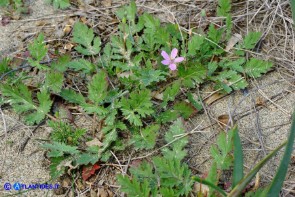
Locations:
column 278, row 181
column 244, row 182
column 238, row 158
column 292, row 2
column 203, row 181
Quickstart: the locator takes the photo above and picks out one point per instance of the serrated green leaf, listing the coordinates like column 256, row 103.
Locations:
column 170, row 93
column 62, row 4
column 255, row 67
column 221, row 153
column 82, row 65
column 214, row 34
column 94, row 108
column 149, row 76
column 38, row 48
column 168, row 116
column 174, row 174
column 195, row 44
column 20, row 98
column 4, row 3
column 236, row 65
column 42, row 110
column 166, row 191
column 184, row 109
column 61, row 64
column 86, row 158
column 109, row 138
column 229, row 80
column 146, row 139
column 212, row 176
column 133, row 187
column 128, row 11
column 55, row 153
column 61, row 147
column 145, row 172
column 89, row 45
column 193, row 75
column 97, row 89
column 212, row 66
column 54, row 81
column 151, row 21
column 196, row 103
column 177, row 147
column 72, row 96
column 224, row 7
column 138, row 106
column 251, row 40
column 238, row 82
column 229, row 26
column 162, row 36
column 122, row 50
column 54, row 171
column 37, row 51
column 4, row 65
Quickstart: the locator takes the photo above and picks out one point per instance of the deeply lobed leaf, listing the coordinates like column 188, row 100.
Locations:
column 89, row 44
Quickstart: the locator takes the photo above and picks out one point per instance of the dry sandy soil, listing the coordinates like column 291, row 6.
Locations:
column 263, row 115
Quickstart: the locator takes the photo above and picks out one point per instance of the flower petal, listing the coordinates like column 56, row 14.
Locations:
column 172, row 66
column 174, row 53
column 165, row 62
column 178, row 59
column 165, row 55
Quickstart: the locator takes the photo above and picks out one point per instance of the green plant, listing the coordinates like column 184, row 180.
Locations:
column 240, row 181
column 166, row 175
column 65, row 157
column 64, row 133
column 62, row 4
column 132, row 92
column 14, row 5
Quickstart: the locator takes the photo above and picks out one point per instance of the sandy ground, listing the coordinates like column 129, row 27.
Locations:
column 25, row 167
column 263, row 117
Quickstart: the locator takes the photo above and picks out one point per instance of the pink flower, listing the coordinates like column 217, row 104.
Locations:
column 171, row 59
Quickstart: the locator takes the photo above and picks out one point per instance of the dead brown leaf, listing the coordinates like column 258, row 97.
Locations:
column 214, row 97
column 41, row 23
column 68, row 46
column 260, row 101
column 84, row 20
column 223, row 119
column 106, row 3
column 201, row 189
column 67, row 29
column 71, row 21
column 233, row 41
column 104, row 192
column 157, row 95
column 124, row 74
column 94, row 142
